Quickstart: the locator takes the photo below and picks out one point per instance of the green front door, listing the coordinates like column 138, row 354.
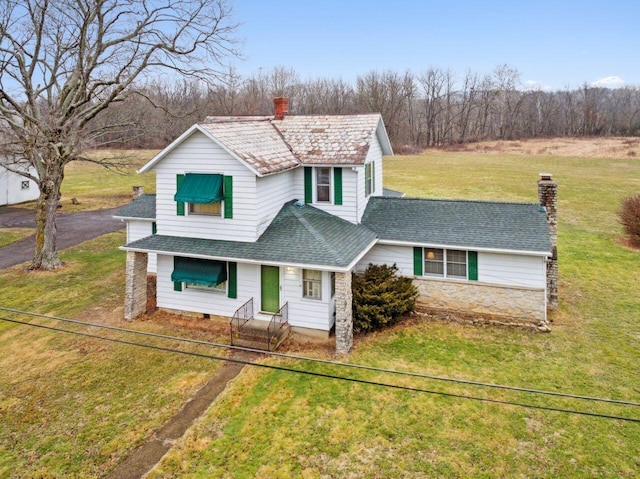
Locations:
column 270, row 289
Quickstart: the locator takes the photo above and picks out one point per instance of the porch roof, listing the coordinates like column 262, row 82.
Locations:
column 518, row 227
column 298, row 235
column 143, row 207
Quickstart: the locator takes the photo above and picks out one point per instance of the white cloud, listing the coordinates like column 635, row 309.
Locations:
column 609, row 82
column 536, row 85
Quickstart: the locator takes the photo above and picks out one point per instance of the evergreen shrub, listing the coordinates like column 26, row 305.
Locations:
column 381, row 297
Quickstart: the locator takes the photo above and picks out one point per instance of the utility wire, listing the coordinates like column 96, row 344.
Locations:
column 328, row 376
column 333, row 363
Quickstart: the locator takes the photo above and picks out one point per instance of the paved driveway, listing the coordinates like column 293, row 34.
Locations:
column 73, row 228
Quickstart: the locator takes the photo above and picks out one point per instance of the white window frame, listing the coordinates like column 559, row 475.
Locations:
column 190, row 209
column 219, row 288
column 312, row 287
column 369, row 180
column 445, row 261
column 316, row 184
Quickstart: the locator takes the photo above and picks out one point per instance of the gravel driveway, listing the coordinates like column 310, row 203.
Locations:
column 73, row 228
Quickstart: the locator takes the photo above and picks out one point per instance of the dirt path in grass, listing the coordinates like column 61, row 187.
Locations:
column 73, row 228
column 149, row 454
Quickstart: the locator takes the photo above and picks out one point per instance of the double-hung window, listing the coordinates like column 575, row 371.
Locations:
column 204, row 194
column 369, row 180
column 312, row 284
column 323, row 185
column 446, row 263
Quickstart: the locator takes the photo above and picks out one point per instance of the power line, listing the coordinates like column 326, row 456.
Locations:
column 332, row 363
column 328, row 376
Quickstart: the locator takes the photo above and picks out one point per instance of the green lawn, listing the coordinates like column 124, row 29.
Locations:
column 10, row 235
column 74, row 407
column 272, row 424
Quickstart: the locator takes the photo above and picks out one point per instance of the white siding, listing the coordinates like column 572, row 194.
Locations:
column 374, row 155
column 11, row 191
column 349, row 207
column 138, row 229
column 199, row 154
column 494, row 268
column 272, row 192
column 512, row 270
column 308, row 313
column 200, row 301
column 402, row 256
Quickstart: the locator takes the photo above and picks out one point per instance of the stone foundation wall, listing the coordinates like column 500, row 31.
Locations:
column 481, row 302
column 135, row 296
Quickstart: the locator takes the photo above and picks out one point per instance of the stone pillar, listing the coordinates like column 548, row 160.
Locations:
column 344, row 315
column 135, row 296
column 548, row 198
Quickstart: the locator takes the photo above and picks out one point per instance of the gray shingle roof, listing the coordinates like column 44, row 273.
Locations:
column 469, row 224
column 329, row 139
column 142, row 207
column 297, row 235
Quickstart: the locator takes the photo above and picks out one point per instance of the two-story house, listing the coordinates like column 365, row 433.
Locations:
column 269, row 216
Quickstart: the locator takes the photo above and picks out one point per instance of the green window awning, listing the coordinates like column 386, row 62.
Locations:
column 198, row 271
column 200, row 188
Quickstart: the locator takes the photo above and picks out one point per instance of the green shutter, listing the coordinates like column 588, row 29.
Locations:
column 177, row 286
column 417, row 261
column 367, row 179
column 154, row 228
column 473, row 265
column 228, row 196
column 179, row 204
column 337, row 186
column 373, row 177
column 308, row 184
column 232, row 286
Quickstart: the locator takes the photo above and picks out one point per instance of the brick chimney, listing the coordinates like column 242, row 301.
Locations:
column 138, row 191
column 548, row 198
column 281, row 107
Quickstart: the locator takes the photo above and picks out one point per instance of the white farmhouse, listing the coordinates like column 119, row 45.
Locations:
column 266, row 218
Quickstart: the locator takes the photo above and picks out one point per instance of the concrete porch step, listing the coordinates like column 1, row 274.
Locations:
column 254, row 334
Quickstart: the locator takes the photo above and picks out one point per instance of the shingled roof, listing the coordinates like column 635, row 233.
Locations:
column 330, row 139
column 143, row 207
column 459, row 223
column 271, row 146
column 299, row 234
column 254, row 140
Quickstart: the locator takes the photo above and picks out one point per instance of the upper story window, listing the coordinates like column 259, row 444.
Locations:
column 323, row 184
column 205, row 194
column 205, row 209
column 369, row 178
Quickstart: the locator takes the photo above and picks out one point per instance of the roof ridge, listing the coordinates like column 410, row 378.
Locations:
column 453, row 200
column 314, row 232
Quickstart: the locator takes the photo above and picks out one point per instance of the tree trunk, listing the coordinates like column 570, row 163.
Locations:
column 46, row 255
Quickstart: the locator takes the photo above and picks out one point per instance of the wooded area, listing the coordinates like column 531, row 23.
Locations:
column 432, row 108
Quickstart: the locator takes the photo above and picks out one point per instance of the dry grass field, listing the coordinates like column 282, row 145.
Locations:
column 604, row 147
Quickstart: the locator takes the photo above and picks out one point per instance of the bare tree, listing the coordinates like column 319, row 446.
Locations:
column 64, row 62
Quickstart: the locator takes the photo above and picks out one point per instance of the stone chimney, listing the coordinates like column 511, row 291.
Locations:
column 548, row 198
column 138, row 191
column 281, row 107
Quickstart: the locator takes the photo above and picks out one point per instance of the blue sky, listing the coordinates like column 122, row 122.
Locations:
column 552, row 43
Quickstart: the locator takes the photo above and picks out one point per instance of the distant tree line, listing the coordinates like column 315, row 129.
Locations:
column 430, row 109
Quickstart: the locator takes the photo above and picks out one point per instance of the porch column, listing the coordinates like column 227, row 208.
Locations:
column 344, row 318
column 135, row 296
